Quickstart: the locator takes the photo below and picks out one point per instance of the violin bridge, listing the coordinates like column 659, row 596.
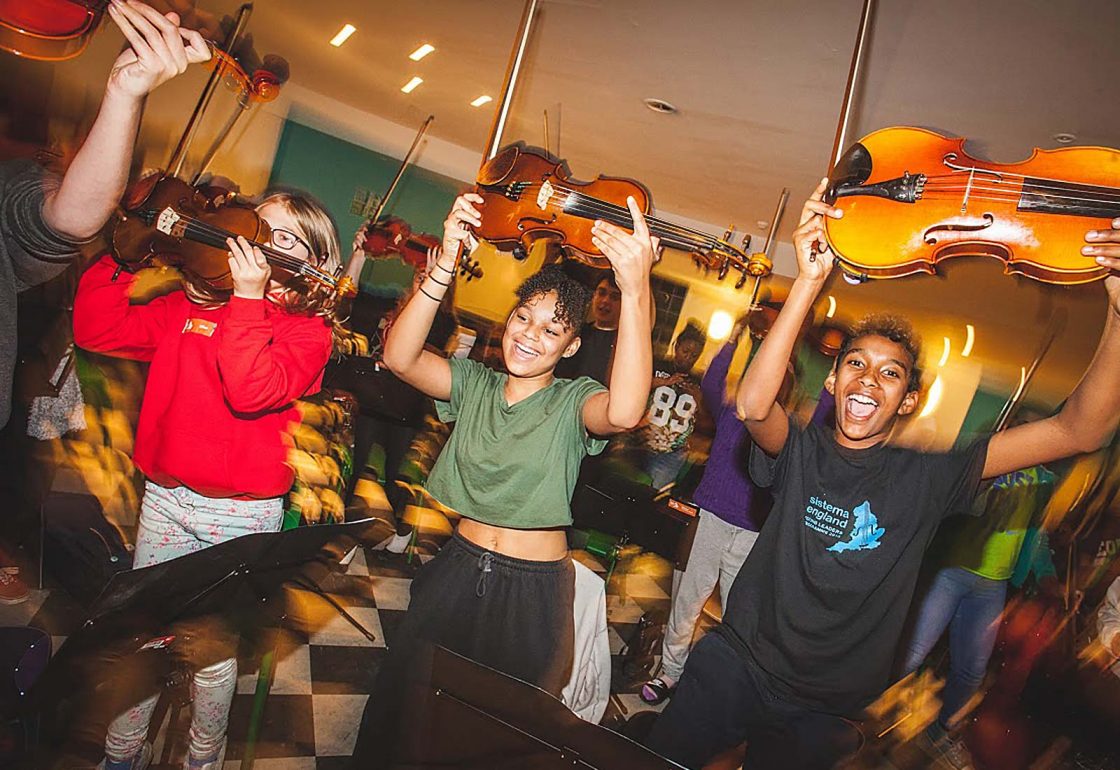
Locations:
column 545, row 195
column 168, row 222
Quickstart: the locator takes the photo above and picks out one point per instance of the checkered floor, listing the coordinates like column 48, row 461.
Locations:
column 325, row 666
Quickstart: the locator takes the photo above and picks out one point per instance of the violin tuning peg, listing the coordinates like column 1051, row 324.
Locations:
column 742, row 281
column 747, row 242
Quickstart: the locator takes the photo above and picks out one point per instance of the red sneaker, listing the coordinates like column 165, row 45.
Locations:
column 12, row 589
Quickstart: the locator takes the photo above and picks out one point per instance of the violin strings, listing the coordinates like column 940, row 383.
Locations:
column 1057, row 184
column 597, row 204
column 281, row 260
column 1016, row 194
column 970, row 169
column 1101, row 194
column 621, row 215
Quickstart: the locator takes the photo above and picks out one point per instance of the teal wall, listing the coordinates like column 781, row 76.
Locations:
column 981, row 416
column 333, row 170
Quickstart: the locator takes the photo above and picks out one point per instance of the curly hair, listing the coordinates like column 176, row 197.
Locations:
column 897, row 330
column 572, row 297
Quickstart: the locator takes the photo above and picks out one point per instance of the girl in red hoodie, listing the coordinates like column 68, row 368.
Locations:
column 215, row 418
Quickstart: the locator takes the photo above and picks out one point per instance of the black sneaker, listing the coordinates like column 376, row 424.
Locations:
column 946, row 750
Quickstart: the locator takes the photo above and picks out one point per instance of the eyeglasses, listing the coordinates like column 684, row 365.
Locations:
column 289, row 241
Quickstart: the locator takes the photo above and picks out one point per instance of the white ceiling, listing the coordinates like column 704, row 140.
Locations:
column 758, row 85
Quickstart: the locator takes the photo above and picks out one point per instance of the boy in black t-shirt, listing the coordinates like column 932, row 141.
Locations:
column 815, row 615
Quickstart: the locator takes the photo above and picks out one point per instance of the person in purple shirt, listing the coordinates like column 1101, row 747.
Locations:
column 725, row 532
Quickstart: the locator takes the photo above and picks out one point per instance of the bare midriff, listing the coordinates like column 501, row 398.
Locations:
column 528, row 544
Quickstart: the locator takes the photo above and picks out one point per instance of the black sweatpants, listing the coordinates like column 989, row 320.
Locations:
column 721, row 701
column 512, row 615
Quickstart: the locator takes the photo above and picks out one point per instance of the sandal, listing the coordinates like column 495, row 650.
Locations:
column 656, row 691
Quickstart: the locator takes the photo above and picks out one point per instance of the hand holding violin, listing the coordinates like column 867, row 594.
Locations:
column 455, row 231
column 248, row 268
column 631, row 255
column 157, row 51
column 1105, row 248
column 814, row 265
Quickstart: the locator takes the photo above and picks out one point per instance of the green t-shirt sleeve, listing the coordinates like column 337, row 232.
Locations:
column 582, row 389
column 464, row 374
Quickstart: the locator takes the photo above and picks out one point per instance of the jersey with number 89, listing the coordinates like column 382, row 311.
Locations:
column 674, row 400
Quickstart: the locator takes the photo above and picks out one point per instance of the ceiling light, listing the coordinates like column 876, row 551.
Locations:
column 411, row 85
column 343, row 35
column 481, row 101
column 719, row 327
column 831, row 307
column 970, row 332
column 933, row 398
column 421, row 52
column 660, row 106
column 1064, row 137
column 945, row 353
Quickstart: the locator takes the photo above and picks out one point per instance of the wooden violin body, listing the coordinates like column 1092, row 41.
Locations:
column 912, row 198
column 528, row 195
column 49, row 30
column 392, row 236
column 169, row 223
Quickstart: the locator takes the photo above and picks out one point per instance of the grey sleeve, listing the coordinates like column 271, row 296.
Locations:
column 35, row 251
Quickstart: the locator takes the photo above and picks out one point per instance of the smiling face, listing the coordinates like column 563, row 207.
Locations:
column 871, row 385
column 534, row 341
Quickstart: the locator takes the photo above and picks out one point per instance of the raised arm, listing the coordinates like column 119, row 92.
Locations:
column 404, row 352
column 93, row 184
column 757, row 398
column 631, row 256
column 1092, row 411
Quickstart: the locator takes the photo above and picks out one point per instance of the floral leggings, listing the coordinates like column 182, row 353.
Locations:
column 176, row 522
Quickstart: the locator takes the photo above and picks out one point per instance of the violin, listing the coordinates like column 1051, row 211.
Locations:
column 49, row 30
column 912, row 198
column 168, row 222
column 528, row 195
column 393, row 236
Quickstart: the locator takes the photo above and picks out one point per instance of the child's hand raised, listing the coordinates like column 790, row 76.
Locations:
column 631, row 255
column 159, row 49
column 1106, row 250
column 455, row 227
column 812, row 264
column 248, row 268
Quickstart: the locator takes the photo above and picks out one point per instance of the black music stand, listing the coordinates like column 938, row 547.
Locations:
column 458, row 713
column 145, row 617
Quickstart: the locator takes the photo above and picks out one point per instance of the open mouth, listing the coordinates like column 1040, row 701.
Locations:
column 861, row 406
column 524, row 352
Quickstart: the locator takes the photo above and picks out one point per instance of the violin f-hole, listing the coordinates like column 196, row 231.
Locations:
column 930, row 235
column 536, row 220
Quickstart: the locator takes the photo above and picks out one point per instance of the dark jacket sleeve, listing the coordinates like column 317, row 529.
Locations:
column 36, row 252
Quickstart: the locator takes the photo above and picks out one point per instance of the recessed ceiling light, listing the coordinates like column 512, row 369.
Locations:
column 481, row 101
column 762, row 224
column 343, row 35
column 1063, row 137
column 660, row 106
column 421, row 52
column 411, row 85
